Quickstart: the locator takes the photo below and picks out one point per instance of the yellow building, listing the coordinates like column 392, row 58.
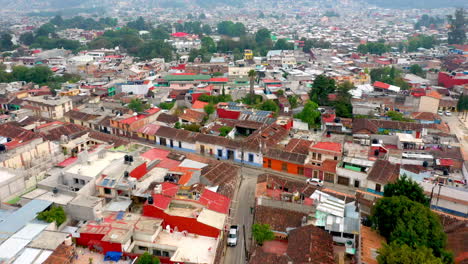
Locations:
column 248, row 54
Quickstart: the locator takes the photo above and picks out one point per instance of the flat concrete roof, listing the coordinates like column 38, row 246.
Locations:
column 94, row 165
column 200, row 249
column 48, row 240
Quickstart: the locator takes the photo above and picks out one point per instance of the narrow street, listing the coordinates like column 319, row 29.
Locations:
column 242, row 215
column 459, row 128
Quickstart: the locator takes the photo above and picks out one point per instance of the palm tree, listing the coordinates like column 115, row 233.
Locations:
column 252, row 74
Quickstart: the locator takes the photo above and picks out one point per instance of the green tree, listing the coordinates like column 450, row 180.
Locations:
column 192, row 127
column 321, row 88
column 209, row 109
column 403, row 254
column 136, row 105
column 293, row 101
column 397, row 116
column 208, row 44
column 54, row 214
column 399, row 219
column 310, row 114
column 406, row 187
column 417, row 70
column 139, row 24
column 147, row 258
column 224, row 130
column 462, row 105
column 5, row 42
column 262, row 233
column 457, row 32
column 283, row 44
column 207, row 29
column 231, row 29
column 269, row 105
column 45, row 30
column 166, row 106
column 159, row 33
column 263, row 37
column 27, row 38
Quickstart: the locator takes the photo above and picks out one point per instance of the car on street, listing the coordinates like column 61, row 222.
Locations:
column 315, row 181
column 232, row 236
column 440, row 112
column 448, row 113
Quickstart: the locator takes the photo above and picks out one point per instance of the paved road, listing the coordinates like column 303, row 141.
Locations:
column 244, row 199
column 458, row 128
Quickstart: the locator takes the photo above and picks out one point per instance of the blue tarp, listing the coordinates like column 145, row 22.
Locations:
column 113, row 255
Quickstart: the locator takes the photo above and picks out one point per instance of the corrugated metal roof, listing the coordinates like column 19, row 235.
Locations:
column 22, row 216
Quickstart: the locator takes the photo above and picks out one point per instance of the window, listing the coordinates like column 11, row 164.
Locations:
column 107, row 191
column 315, row 174
column 378, row 187
column 284, row 166
column 251, row 157
column 76, row 180
column 319, row 156
column 142, row 248
column 180, row 144
column 82, row 182
column 269, row 163
column 165, row 254
column 335, row 158
column 220, row 152
column 157, row 252
column 300, row 170
column 314, row 155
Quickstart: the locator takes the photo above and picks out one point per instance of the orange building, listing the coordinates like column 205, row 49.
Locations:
column 285, row 161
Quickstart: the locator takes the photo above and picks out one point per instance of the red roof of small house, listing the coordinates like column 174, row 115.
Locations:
column 179, row 34
column 67, row 162
column 153, row 110
column 199, row 104
column 54, row 69
column 329, row 165
column 332, row 97
column 445, row 162
column 215, row 201
column 183, row 73
column 418, row 92
column 160, row 201
column 381, row 85
column 219, row 79
column 330, row 146
column 328, row 118
column 161, row 154
column 149, row 129
column 179, row 67
column 271, row 81
column 169, row 189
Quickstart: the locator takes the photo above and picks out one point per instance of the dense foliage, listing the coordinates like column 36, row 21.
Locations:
column 231, row 29
column 343, row 106
column 457, row 33
column 223, row 131
column 310, row 114
column 321, row 88
column 406, row 222
column 403, row 254
column 83, row 23
column 373, row 48
column 147, row 258
column 428, row 21
column 407, row 187
column 137, row 105
column 398, row 116
column 389, row 75
column 54, row 214
column 262, row 233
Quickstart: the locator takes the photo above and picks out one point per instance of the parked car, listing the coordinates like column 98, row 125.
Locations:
column 440, row 112
column 232, row 236
column 448, row 113
column 315, row 181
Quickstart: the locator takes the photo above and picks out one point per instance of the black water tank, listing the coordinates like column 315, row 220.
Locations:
column 126, row 174
column 126, row 157
column 376, row 152
column 150, row 200
column 2, row 147
column 425, row 164
column 375, row 141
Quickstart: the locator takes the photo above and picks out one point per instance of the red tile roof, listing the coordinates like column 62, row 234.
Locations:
column 330, row 146
column 199, row 104
column 381, row 85
column 215, row 201
column 219, row 80
column 329, row 165
column 169, row 189
column 328, row 118
column 160, row 201
column 161, row 154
